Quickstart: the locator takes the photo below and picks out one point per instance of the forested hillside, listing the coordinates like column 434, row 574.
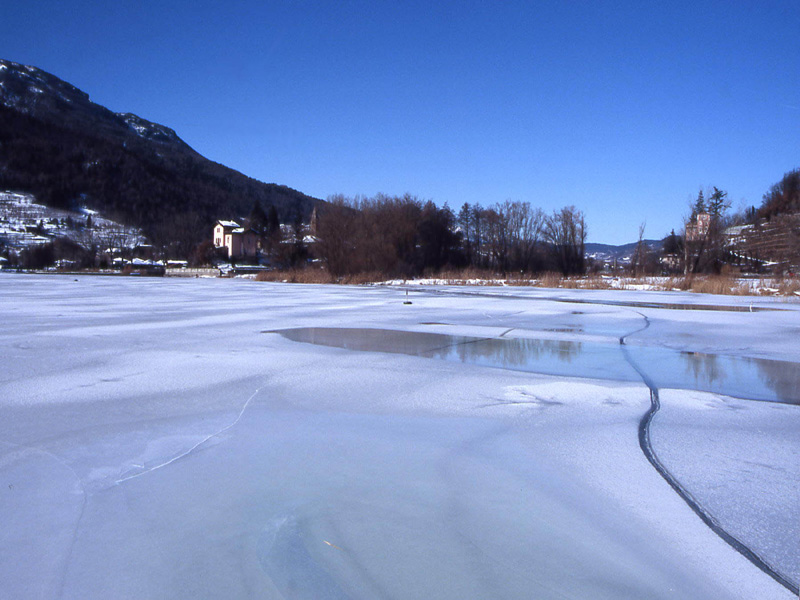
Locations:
column 69, row 152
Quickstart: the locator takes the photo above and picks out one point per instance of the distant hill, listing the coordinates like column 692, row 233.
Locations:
column 623, row 253
column 72, row 153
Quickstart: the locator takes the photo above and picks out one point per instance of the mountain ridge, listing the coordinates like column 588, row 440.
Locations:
column 608, row 252
column 68, row 151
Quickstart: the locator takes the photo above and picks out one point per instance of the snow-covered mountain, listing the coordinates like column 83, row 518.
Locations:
column 31, row 91
column 28, row 89
column 622, row 254
column 149, row 130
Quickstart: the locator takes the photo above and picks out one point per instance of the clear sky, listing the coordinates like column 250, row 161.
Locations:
column 624, row 109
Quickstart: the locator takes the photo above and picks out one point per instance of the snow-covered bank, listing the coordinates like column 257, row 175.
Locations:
column 158, row 444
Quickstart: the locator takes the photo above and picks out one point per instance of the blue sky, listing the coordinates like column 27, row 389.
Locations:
column 624, row 109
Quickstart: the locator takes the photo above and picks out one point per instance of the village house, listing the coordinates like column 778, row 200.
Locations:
column 222, row 230
column 670, row 262
column 240, row 242
column 697, row 228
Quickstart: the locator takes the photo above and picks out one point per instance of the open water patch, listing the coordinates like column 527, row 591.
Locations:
column 741, row 377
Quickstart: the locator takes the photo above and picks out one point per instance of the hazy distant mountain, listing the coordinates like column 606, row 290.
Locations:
column 70, row 152
column 623, row 253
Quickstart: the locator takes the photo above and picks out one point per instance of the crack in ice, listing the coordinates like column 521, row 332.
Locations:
column 197, row 445
column 647, row 449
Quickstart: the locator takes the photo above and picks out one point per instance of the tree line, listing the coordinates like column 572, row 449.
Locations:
column 715, row 238
column 403, row 236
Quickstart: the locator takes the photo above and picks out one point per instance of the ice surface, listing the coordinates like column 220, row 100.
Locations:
column 741, row 460
column 758, row 379
column 155, row 443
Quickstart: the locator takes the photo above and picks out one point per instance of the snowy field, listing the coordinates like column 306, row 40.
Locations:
column 166, row 438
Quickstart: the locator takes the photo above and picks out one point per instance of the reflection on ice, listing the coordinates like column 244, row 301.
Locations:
column 554, row 357
column 756, row 379
column 704, row 368
column 782, row 377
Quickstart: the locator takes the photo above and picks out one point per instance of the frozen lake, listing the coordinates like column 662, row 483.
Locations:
column 752, row 378
column 155, row 442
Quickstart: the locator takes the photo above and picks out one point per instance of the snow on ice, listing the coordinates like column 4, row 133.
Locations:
column 158, row 439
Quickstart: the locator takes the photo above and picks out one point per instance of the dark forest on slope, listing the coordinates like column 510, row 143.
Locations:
column 69, row 152
column 783, row 198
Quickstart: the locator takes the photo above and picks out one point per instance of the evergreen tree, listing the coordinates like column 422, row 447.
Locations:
column 465, row 222
column 258, row 218
column 699, row 205
column 672, row 244
column 717, row 203
column 273, row 221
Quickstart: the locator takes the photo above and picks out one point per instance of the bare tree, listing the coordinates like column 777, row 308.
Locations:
column 565, row 231
column 525, row 225
column 389, row 232
column 337, row 229
column 640, row 253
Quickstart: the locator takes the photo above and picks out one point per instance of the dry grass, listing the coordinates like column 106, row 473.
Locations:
column 590, row 282
column 550, row 280
column 465, row 276
column 316, row 275
column 362, row 278
column 789, row 287
column 595, row 282
column 719, row 284
column 727, row 284
column 521, row 281
column 677, row 283
column 296, row 276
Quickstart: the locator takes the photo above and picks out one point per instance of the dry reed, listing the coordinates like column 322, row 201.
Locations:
column 296, row 276
column 722, row 284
